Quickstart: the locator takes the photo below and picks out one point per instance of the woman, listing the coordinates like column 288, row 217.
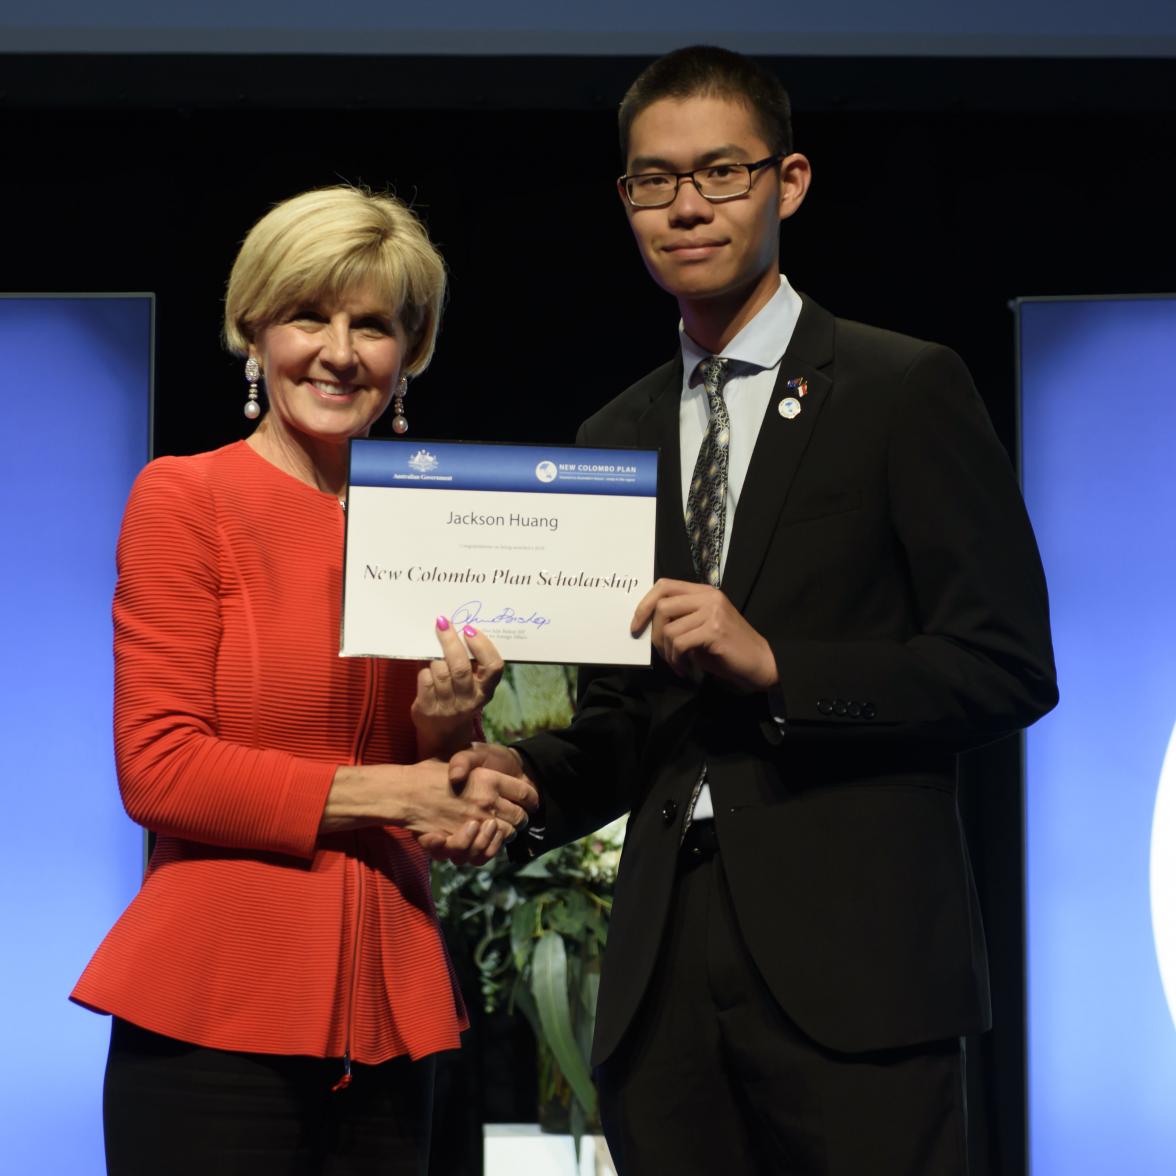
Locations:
column 279, row 984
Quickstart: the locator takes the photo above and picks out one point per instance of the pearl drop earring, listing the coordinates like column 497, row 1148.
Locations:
column 399, row 420
column 252, row 374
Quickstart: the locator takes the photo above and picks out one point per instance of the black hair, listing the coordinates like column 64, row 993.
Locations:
column 707, row 70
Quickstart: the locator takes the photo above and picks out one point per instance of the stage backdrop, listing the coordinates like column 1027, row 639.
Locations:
column 77, row 377
column 1098, row 403
column 828, row 27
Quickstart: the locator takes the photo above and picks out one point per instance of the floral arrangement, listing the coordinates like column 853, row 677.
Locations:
column 537, row 932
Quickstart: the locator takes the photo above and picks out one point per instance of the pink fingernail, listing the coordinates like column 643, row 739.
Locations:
column 470, row 631
column 442, row 623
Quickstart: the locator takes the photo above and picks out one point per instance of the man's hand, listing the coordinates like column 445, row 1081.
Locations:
column 484, row 768
column 492, row 756
column 696, row 628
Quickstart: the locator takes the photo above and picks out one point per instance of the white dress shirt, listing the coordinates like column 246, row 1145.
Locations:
column 759, row 347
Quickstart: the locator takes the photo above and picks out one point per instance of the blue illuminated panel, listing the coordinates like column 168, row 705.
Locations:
column 77, row 383
column 1098, row 390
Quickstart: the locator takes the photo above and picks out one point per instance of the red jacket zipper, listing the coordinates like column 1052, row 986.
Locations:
column 357, row 750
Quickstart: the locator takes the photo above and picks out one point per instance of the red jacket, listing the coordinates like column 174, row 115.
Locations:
column 232, row 711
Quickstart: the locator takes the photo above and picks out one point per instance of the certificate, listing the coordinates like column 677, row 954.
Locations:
column 546, row 550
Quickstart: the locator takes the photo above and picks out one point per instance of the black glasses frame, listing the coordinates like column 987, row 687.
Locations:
column 692, row 176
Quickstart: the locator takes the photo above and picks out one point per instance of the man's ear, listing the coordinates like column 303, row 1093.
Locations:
column 624, row 199
column 796, row 174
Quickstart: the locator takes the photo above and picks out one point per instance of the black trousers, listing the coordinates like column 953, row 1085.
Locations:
column 174, row 1109
column 713, row 1077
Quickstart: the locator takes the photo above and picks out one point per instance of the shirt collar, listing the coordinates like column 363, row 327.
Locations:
column 761, row 343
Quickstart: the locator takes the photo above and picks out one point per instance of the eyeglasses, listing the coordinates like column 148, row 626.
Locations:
column 716, row 182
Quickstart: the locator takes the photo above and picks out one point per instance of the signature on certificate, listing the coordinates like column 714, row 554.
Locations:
column 470, row 613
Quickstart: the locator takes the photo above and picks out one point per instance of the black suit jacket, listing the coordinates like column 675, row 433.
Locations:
column 881, row 546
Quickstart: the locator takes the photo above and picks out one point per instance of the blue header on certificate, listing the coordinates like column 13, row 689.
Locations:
column 465, row 465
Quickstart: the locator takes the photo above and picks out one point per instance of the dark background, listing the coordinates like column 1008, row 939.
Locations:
column 943, row 189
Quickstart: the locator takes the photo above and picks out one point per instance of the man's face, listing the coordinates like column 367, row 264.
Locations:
column 694, row 249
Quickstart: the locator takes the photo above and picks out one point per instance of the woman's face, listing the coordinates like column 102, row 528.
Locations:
column 330, row 369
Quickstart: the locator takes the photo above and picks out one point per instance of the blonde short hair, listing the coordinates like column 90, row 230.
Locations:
column 322, row 244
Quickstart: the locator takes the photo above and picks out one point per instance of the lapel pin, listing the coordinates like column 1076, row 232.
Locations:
column 799, row 385
column 789, row 407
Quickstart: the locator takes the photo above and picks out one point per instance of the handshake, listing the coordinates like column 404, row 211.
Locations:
column 492, row 801
column 463, row 810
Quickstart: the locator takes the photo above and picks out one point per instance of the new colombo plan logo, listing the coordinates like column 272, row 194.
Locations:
column 545, row 471
column 1163, row 874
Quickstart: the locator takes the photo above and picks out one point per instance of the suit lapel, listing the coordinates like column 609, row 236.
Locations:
column 658, row 429
column 779, row 449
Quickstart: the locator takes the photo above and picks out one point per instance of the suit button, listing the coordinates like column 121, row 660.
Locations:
column 855, row 710
column 839, row 707
column 669, row 811
column 868, row 711
column 824, row 706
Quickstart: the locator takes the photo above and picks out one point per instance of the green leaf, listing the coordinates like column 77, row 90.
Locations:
column 586, row 1022
column 589, row 990
column 487, row 957
column 522, row 1000
column 501, row 717
column 585, row 1028
column 549, row 985
column 522, row 933
column 577, row 1122
column 544, row 700
column 570, row 915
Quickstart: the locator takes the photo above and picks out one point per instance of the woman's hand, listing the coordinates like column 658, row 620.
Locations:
column 496, row 807
column 485, row 765
column 452, row 691
column 434, row 800
column 464, row 816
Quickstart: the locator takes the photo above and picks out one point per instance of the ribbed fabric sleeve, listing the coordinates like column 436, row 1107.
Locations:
column 232, row 712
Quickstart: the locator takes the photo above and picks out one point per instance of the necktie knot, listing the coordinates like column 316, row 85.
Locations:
column 713, row 370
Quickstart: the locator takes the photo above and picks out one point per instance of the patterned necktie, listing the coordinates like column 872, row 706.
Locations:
column 706, row 503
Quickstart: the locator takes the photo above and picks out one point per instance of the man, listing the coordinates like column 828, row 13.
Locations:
column 849, row 594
